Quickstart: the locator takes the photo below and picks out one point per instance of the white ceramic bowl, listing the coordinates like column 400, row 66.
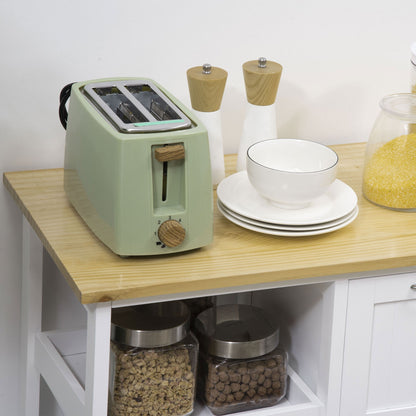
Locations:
column 291, row 173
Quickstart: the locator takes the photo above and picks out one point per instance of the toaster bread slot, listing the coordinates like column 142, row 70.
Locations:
column 165, row 181
column 152, row 102
column 120, row 105
column 168, row 177
column 165, row 154
column 133, row 106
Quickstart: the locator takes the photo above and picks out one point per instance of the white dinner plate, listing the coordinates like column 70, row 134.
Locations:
column 284, row 227
column 238, row 195
column 285, row 233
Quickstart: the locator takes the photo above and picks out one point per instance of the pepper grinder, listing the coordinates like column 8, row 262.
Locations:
column 206, row 87
column 261, row 79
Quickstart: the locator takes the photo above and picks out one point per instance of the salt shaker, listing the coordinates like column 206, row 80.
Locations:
column 261, row 79
column 206, row 86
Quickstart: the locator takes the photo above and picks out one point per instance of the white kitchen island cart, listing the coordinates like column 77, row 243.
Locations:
column 346, row 301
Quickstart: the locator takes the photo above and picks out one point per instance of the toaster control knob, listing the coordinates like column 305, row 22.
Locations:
column 171, row 233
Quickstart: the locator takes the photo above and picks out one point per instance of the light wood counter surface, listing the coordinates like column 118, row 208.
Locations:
column 378, row 239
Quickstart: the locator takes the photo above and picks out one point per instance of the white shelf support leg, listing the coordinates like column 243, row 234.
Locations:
column 98, row 355
column 31, row 320
column 329, row 386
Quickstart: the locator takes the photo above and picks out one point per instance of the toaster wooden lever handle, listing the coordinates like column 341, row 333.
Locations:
column 170, row 152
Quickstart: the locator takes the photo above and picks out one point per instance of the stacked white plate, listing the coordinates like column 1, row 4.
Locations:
column 240, row 203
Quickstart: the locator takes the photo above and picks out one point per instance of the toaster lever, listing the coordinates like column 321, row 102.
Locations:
column 170, row 152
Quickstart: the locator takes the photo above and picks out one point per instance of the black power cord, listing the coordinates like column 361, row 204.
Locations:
column 63, row 98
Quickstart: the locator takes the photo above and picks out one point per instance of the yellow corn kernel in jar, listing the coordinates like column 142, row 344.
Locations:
column 390, row 174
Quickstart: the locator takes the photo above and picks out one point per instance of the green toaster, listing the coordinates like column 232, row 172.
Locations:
column 137, row 167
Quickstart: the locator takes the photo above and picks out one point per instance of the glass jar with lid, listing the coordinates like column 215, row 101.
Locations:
column 153, row 360
column 390, row 161
column 413, row 67
column 241, row 364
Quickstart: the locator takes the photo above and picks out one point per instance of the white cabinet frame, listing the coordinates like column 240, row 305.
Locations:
column 40, row 357
column 87, row 395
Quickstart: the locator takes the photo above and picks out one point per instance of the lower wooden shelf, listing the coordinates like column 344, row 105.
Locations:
column 60, row 357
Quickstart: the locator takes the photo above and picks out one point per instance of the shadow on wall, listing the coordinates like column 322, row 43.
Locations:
column 337, row 115
column 232, row 113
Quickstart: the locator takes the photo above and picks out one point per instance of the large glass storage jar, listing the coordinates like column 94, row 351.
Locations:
column 413, row 67
column 390, row 161
column 153, row 361
column 241, row 366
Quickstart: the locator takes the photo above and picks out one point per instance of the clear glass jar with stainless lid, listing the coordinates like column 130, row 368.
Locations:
column 241, row 366
column 413, row 67
column 390, row 160
column 153, row 360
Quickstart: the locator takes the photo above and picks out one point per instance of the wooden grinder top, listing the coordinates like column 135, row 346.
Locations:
column 206, row 87
column 262, row 79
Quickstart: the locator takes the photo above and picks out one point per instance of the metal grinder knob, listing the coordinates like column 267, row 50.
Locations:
column 171, row 233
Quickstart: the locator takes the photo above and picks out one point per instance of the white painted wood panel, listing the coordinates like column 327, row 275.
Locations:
column 379, row 371
column 63, row 384
column 31, row 317
column 97, row 358
column 392, row 381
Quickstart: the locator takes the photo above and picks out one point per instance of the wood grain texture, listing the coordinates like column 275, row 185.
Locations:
column 206, row 90
column 170, row 152
column 171, row 233
column 378, row 239
column 261, row 83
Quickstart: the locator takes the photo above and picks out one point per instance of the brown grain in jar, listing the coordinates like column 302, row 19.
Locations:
column 241, row 366
column 153, row 361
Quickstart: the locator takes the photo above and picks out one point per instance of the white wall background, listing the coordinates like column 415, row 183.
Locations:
column 339, row 59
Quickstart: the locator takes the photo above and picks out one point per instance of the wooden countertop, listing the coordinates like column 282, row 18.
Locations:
column 378, row 239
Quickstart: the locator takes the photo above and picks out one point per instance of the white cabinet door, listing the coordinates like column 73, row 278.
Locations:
column 379, row 371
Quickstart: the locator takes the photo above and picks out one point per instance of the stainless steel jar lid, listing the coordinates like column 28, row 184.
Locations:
column 152, row 325
column 236, row 331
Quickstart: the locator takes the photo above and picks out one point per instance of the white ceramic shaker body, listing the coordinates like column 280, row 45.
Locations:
column 206, row 87
column 259, row 124
column 213, row 123
column 261, row 79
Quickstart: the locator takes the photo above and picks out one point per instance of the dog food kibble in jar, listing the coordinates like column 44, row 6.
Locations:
column 241, row 366
column 153, row 361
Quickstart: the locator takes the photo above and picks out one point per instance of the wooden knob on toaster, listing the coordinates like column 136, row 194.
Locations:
column 171, row 233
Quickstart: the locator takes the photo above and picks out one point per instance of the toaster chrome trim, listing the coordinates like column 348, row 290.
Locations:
column 126, row 112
